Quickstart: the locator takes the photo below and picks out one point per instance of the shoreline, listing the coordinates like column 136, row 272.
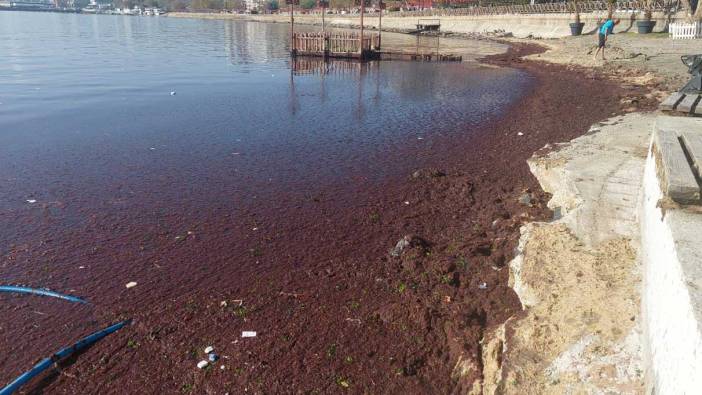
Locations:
column 463, row 230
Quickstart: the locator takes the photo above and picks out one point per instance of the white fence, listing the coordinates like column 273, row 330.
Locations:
column 680, row 30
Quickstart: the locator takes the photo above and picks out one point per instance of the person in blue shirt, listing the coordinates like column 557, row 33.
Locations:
column 605, row 30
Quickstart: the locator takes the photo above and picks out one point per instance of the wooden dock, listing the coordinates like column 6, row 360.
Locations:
column 348, row 46
column 340, row 45
column 424, row 25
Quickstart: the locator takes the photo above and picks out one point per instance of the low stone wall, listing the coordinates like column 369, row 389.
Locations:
column 519, row 25
column 672, row 289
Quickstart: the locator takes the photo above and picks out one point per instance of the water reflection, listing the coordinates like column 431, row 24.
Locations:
column 363, row 73
column 84, row 95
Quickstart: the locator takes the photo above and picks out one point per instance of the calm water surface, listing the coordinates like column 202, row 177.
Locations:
column 88, row 120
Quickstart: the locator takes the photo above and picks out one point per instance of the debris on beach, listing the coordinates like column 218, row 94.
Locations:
column 482, row 285
column 248, row 334
column 209, row 349
column 202, row 364
column 520, row 134
column 400, row 246
column 525, row 199
column 406, row 242
column 173, row 93
column 42, row 292
column 31, row 201
column 131, row 284
column 430, row 173
column 212, row 357
column 62, row 354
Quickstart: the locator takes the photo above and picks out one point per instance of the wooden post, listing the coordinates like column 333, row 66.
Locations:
column 292, row 28
column 380, row 22
column 363, row 6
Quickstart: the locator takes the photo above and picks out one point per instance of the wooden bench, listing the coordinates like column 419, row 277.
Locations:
column 677, row 149
column 682, row 103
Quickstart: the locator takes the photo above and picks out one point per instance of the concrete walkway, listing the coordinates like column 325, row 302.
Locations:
column 653, row 53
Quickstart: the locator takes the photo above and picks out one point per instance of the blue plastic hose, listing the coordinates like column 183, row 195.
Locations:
column 43, row 292
column 61, row 354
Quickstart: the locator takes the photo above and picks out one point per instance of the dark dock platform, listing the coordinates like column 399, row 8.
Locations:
column 424, row 25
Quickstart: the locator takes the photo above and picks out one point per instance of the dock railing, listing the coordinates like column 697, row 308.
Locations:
column 584, row 6
column 328, row 44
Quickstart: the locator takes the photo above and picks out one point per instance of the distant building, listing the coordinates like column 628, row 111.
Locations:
column 254, row 5
column 33, row 4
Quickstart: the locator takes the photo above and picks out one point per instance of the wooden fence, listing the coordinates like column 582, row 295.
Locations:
column 682, row 30
column 337, row 43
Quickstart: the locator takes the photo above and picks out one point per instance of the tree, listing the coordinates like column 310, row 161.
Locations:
column 308, row 4
column 610, row 8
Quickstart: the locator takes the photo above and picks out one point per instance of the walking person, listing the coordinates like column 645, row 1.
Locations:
column 606, row 29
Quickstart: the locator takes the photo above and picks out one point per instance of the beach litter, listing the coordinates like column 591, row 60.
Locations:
column 520, row 134
column 202, row 364
column 131, row 284
column 248, row 334
column 31, row 201
column 173, row 93
column 212, row 357
column 209, row 349
column 482, row 285
column 400, row 246
column 42, row 292
column 525, row 199
column 59, row 355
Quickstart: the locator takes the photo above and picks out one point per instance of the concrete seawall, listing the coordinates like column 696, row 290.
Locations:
column 519, row 25
column 672, row 291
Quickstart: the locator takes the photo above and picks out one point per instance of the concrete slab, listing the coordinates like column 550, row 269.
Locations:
column 597, row 178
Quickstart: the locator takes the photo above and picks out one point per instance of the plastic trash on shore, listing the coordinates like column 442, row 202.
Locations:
column 482, row 285
column 248, row 334
column 173, row 93
column 31, row 201
column 209, row 349
column 212, row 357
column 520, row 134
column 202, row 364
column 131, row 284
